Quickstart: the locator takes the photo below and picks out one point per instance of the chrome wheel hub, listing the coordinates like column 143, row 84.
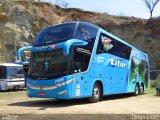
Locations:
column 96, row 93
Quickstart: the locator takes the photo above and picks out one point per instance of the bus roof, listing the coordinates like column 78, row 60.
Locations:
column 76, row 22
column 10, row 64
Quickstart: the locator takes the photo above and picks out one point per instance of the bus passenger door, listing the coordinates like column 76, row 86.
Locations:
column 95, row 72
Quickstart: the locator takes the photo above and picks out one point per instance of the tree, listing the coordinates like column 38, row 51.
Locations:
column 62, row 3
column 150, row 4
column 65, row 4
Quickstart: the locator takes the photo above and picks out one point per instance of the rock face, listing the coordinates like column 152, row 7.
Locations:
column 20, row 21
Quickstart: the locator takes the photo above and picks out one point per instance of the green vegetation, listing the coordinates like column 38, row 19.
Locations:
column 158, row 83
column 152, row 91
column 153, row 83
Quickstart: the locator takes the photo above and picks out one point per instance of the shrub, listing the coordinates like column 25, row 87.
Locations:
column 158, row 82
column 153, row 83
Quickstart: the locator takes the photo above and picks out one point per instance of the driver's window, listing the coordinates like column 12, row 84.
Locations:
column 81, row 59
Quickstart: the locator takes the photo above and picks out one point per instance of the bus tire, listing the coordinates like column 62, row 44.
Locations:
column 136, row 93
column 16, row 88
column 96, row 93
column 141, row 89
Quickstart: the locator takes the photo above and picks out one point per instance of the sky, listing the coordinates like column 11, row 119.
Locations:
column 135, row 8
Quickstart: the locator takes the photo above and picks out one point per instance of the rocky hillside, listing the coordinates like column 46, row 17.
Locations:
column 20, row 21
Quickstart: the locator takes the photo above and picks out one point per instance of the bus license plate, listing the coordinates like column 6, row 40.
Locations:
column 41, row 94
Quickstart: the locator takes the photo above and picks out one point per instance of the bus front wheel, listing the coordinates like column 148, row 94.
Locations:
column 96, row 93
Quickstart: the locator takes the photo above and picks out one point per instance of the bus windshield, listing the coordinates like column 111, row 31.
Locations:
column 48, row 64
column 55, row 34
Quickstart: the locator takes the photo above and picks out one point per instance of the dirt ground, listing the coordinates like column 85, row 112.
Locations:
column 16, row 102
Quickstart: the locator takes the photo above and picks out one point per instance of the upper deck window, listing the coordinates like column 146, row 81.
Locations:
column 109, row 45
column 55, row 34
column 87, row 33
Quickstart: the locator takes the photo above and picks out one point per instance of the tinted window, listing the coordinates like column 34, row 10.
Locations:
column 15, row 72
column 25, row 56
column 49, row 64
column 55, row 34
column 109, row 45
column 81, row 59
column 87, row 33
column 2, row 72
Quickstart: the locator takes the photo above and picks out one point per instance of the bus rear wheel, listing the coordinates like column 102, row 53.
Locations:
column 136, row 93
column 96, row 93
column 141, row 90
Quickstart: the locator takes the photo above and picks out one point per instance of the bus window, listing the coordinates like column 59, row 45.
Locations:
column 25, row 56
column 2, row 72
column 109, row 45
column 81, row 59
column 15, row 72
column 87, row 33
column 104, row 44
column 49, row 64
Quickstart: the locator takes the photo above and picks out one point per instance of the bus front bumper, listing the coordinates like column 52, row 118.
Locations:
column 61, row 90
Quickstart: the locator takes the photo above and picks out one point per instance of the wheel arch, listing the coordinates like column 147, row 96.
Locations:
column 97, row 84
column 137, row 83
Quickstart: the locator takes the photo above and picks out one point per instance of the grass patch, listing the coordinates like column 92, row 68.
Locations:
column 12, row 93
column 153, row 83
column 152, row 91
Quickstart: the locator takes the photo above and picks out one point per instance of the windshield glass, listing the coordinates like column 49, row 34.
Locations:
column 15, row 72
column 87, row 33
column 55, row 34
column 48, row 64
